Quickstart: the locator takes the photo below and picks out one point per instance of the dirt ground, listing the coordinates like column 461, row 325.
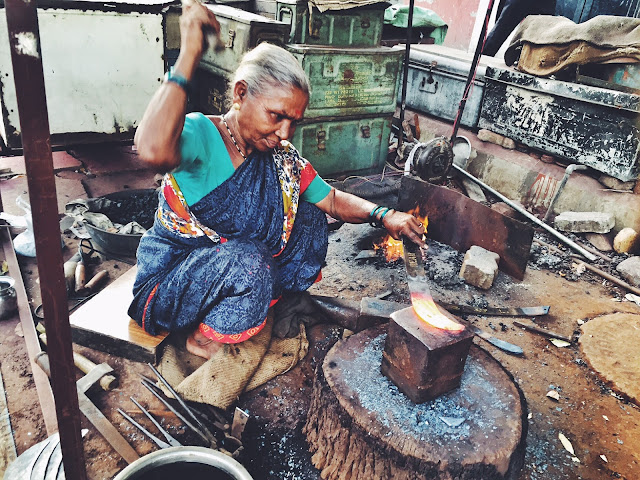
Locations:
column 602, row 426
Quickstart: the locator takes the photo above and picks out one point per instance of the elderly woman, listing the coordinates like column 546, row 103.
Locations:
column 241, row 217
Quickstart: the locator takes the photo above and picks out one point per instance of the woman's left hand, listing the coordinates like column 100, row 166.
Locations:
column 400, row 224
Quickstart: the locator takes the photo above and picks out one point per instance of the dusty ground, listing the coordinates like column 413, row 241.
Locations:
column 596, row 420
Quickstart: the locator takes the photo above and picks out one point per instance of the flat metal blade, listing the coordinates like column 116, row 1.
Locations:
column 497, row 311
column 416, row 276
column 496, row 342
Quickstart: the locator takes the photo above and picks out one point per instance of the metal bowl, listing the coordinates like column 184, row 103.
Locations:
column 157, row 464
column 117, row 243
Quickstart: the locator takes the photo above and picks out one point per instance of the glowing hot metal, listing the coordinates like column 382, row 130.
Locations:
column 421, row 298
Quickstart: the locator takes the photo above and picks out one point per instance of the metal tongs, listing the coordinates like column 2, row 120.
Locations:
column 172, row 441
column 194, row 423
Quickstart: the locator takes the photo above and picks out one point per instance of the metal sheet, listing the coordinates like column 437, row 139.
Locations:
column 101, row 68
column 461, row 222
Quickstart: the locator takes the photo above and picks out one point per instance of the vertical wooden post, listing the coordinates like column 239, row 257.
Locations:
column 26, row 56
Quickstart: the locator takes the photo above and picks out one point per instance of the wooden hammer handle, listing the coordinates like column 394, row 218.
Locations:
column 107, row 382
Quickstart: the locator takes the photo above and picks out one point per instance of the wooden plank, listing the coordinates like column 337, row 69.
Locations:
column 7, row 442
column 102, row 323
column 43, row 387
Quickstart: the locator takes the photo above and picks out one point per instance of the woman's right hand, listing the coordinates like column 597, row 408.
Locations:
column 197, row 23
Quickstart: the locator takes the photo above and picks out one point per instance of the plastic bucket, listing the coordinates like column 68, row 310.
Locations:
column 194, row 463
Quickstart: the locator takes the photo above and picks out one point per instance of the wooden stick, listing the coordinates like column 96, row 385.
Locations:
column 542, row 331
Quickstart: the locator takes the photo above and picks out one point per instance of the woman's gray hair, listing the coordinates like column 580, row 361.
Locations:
column 268, row 66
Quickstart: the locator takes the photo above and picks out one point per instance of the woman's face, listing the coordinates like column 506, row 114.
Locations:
column 267, row 119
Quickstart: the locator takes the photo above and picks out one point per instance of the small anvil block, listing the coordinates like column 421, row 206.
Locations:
column 424, row 361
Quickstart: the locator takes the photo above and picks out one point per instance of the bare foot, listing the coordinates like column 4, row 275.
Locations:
column 198, row 344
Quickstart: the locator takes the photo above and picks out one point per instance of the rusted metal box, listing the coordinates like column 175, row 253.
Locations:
column 593, row 126
column 240, row 31
column 102, row 63
column 354, row 27
column 436, row 82
column 341, row 146
column 350, row 81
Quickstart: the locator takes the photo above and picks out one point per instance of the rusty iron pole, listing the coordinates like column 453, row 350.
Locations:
column 26, row 56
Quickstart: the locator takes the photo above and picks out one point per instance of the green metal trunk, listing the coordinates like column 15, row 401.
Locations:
column 240, row 31
column 338, row 147
column 350, row 82
column 355, row 27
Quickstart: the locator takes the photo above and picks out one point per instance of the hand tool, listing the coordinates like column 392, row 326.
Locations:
column 542, row 331
column 372, row 306
column 172, row 441
column 148, row 384
column 421, row 298
column 182, row 403
column 107, row 382
column 212, row 39
column 95, row 281
column 93, row 414
column 155, row 439
column 496, row 342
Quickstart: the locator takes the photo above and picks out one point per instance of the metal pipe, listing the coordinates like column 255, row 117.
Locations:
column 472, row 71
column 531, row 217
column 405, row 71
column 568, row 171
column 26, row 58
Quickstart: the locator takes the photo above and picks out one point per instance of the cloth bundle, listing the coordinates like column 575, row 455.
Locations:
column 235, row 368
column 543, row 44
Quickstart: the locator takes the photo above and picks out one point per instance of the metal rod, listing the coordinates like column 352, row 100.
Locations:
column 183, row 404
column 26, row 57
column 196, row 430
column 568, row 171
column 472, row 71
column 611, row 278
column 405, row 71
column 153, row 438
column 531, row 217
column 172, row 441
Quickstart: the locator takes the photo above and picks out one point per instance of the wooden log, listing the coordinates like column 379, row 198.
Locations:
column 360, row 426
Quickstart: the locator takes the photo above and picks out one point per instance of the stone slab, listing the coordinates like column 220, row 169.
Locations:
column 580, row 222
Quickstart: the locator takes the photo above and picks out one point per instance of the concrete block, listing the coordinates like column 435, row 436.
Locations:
column 630, row 270
column 615, row 184
column 580, row 222
column 479, row 267
column 600, row 241
column 626, row 241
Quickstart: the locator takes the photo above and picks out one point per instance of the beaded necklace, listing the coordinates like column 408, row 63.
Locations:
column 233, row 138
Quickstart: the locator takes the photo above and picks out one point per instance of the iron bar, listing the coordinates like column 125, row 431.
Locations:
column 26, row 57
column 405, row 71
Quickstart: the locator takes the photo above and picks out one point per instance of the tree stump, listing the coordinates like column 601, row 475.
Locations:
column 360, row 426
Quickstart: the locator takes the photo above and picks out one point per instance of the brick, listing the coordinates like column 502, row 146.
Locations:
column 601, row 241
column 626, row 241
column 480, row 267
column 615, row 184
column 492, row 137
column 581, row 222
column 630, row 270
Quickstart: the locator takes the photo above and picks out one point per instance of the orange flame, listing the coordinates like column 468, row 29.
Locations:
column 391, row 247
column 428, row 311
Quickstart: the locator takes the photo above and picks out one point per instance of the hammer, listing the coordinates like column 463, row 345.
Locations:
column 93, row 413
column 107, row 382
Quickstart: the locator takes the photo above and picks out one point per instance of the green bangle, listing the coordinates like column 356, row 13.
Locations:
column 174, row 77
column 383, row 215
column 374, row 220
